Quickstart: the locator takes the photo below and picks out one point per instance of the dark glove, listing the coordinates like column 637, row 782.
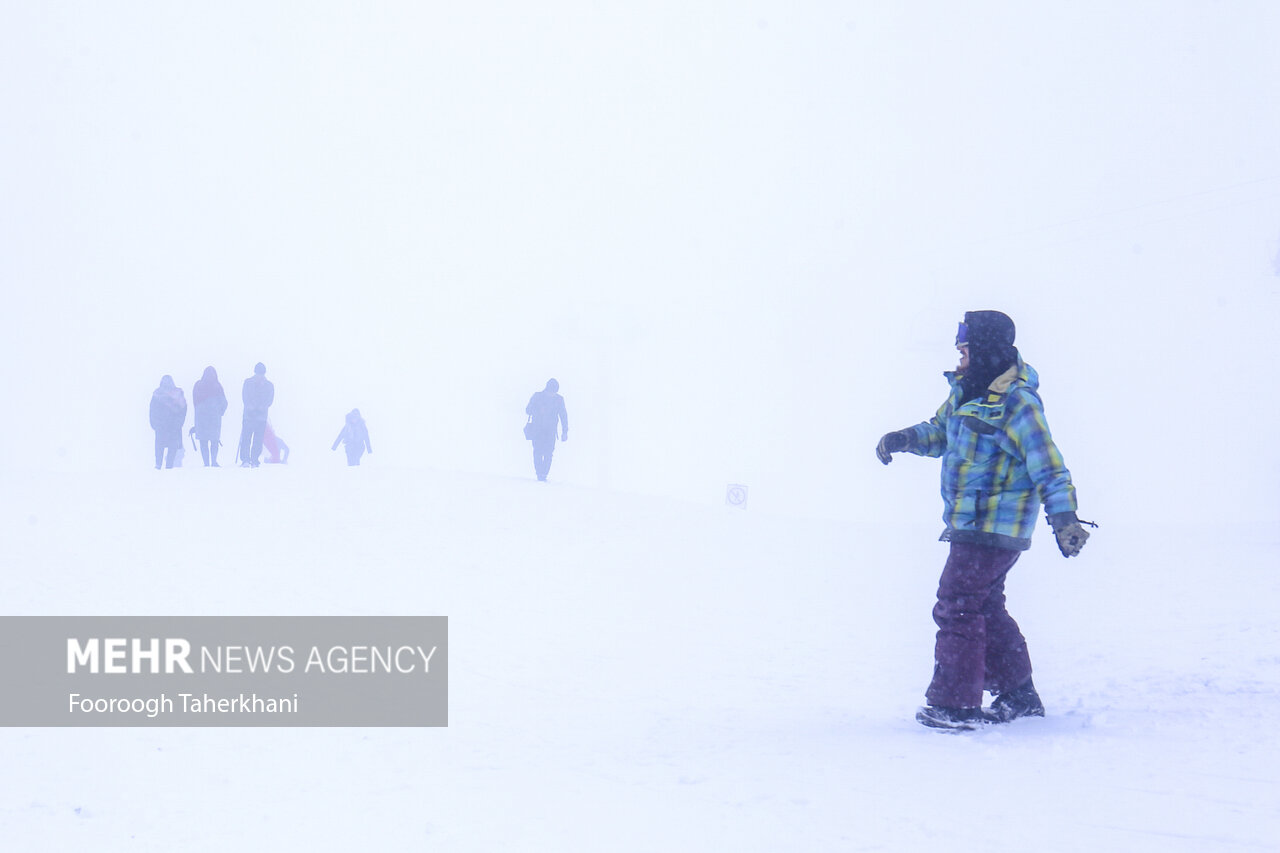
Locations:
column 893, row 442
column 1070, row 534
column 564, row 436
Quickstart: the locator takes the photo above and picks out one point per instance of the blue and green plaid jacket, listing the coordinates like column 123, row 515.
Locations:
column 999, row 462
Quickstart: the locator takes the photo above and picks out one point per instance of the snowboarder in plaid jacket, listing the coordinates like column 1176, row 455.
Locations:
column 999, row 464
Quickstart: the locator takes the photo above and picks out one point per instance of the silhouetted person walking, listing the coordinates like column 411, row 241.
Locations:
column 545, row 411
column 258, row 394
column 168, row 413
column 355, row 436
column 210, row 403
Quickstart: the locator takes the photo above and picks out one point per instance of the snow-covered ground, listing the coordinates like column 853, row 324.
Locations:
column 632, row 673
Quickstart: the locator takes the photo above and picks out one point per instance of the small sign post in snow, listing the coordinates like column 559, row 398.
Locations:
column 736, row 495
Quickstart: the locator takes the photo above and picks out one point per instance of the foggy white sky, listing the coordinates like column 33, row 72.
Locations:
column 739, row 234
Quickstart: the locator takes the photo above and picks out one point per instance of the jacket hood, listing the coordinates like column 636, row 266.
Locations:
column 207, row 387
column 989, row 330
column 552, row 386
column 170, row 393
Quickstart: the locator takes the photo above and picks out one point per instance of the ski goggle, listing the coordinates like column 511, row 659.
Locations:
column 962, row 335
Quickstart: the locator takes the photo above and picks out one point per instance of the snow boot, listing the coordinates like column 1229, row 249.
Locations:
column 958, row 719
column 1021, row 701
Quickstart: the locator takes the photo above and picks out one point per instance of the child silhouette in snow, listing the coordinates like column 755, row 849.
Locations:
column 355, row 436
column 277, row 451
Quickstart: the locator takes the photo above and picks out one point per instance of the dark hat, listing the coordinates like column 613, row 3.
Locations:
column 989, row 336
column 552, row 385
column 987, row 330
column 259, row 368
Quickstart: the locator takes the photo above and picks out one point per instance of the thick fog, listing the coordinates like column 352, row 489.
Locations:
column 739, row 235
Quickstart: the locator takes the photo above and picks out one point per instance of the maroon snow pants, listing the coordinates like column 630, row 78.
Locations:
column 979, row 645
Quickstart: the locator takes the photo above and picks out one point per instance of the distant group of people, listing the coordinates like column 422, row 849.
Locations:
column 169, row 414
column 546, row 416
